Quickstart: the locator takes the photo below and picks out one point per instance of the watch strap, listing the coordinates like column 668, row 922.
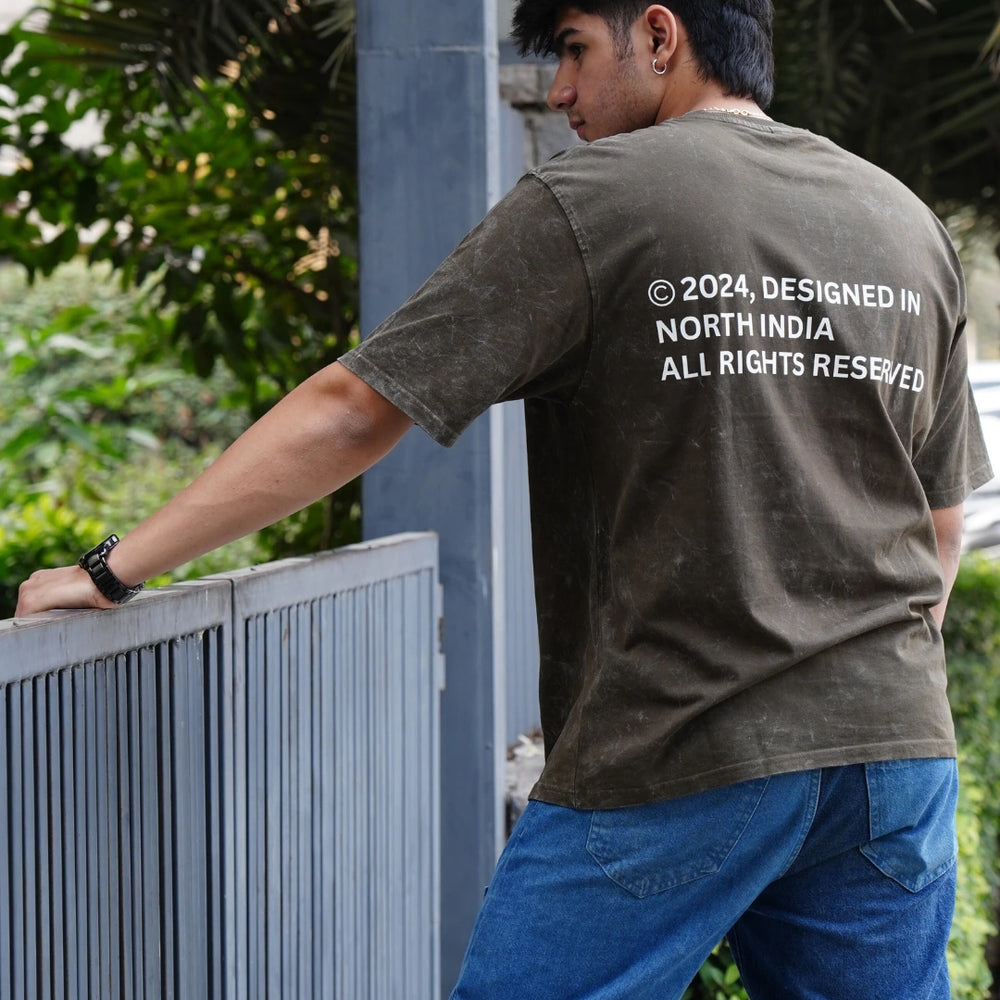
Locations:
column 96, row 564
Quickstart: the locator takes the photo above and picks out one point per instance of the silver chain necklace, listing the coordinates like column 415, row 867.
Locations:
column 735, row 111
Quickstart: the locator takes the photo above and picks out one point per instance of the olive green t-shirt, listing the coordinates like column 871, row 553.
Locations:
column 743, row 361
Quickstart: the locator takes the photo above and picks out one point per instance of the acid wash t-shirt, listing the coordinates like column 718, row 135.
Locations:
column 742, row 355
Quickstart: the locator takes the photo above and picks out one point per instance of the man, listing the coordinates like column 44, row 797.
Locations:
column 750, row 437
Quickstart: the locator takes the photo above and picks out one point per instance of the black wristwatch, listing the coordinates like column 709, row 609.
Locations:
column 95, row 563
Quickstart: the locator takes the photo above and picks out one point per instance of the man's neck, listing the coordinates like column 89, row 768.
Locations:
column 709, row 99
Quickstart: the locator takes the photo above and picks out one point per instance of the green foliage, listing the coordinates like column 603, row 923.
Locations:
column 92, row 440
column 222, row 190
column 972, row 634
column 972, row 638
column 72, row 395
column 230, row 197
column 188, row 41
column 972, row 627
column 974, row 924
column 39, row 533
column 717, row 979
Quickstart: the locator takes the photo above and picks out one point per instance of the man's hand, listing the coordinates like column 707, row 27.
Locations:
column 66, row 587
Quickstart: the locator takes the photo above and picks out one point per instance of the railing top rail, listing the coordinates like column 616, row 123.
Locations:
column 55, row 639
column 341, row 569
column 50, row 640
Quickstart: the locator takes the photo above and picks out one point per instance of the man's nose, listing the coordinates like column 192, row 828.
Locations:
column 562, row 96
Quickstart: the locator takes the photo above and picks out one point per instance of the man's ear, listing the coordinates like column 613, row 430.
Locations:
column 661, row 30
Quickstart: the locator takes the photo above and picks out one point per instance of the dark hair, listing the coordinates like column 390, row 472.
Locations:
column 731, row 39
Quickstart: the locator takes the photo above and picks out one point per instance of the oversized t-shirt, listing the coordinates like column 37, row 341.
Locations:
column 743, row 361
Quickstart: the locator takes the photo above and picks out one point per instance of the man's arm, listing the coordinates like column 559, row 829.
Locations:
column 948, row 528
column 326, row 432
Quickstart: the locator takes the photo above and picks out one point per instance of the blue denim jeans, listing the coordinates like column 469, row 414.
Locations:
column 833, row 884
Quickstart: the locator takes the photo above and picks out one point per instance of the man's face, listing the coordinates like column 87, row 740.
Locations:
column 601, row 91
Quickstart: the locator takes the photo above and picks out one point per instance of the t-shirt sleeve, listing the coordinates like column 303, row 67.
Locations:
column 506, row 316
column 953, row 460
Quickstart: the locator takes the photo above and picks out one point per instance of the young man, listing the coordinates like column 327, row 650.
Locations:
column 750, row 436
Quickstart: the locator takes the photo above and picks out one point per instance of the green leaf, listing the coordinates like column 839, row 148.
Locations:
column 143, row 438
column 28, row 437
column 67, row 343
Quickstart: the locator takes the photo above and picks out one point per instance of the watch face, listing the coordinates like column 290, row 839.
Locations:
column 107, row 545
column 100, row 550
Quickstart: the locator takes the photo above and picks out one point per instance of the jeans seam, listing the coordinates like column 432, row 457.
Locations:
column 808, row 816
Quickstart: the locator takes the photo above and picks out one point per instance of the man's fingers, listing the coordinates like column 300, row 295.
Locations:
column 65, row 587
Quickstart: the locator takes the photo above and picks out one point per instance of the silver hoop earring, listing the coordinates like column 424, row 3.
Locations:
column 658, row 72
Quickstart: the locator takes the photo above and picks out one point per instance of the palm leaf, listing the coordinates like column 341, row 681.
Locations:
column 293, row 64
column 990, row 53
column 338, row 23
column 175, row 41
column 916, row 94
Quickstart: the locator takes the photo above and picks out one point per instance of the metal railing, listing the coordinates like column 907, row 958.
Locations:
column 228, row 788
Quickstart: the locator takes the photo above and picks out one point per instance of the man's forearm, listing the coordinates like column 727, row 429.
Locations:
column 319, row 437
column 948, row 524
column 322, row 435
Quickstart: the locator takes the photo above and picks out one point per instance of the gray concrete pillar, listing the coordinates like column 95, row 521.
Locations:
column 428, row 160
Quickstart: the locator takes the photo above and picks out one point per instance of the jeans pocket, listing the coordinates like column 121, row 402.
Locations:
column 654, row 847
column 912, row 807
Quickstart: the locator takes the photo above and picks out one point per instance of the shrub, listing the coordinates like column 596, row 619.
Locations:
column 973, row 926
column 100, row 425
column 972, row 638
column 717, row 979
column 39, row 533
column 92, row 438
